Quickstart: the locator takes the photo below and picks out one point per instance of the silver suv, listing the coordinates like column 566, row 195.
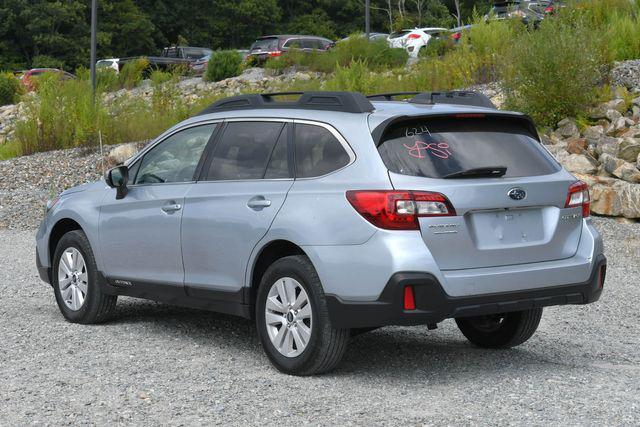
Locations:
column 333, row 215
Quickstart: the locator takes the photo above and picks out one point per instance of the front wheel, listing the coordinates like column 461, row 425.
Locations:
column 75, row 281
column 500, row 330
column 293, row 320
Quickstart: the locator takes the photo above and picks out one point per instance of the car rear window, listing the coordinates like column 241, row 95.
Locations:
column 399, row 34
column 265, row 44
column 435, row 148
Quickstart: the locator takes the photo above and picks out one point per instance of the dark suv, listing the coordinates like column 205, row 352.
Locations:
column 272, row 46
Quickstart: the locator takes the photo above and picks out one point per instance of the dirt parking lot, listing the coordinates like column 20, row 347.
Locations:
column 156, row 364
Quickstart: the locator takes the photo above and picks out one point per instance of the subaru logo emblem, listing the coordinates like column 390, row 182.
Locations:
column 517, row 194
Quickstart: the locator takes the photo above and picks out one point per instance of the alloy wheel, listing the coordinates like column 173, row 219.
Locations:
column 288, row 317
column 73, row 280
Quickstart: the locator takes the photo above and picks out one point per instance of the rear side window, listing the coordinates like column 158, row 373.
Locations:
column 244, row 150
column 318, row 152
column 440, row 147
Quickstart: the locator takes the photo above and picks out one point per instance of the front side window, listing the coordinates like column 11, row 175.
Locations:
column 318, row 152
column 244, row 150
column 175, row 159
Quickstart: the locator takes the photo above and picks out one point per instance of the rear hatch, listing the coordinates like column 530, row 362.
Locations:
column 264, row 45
column 502, row 217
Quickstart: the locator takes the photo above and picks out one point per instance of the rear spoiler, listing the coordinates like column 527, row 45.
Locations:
column 526, row 121
column 454, row 97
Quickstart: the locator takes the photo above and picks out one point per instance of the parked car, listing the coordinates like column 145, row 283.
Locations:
column 372, row 36
column 414, row 39
column 530, row 12
column 332, row 215
column 27, row 76
column 111, row 63
column 273, row 46
column 186, row 56
column 456, row 33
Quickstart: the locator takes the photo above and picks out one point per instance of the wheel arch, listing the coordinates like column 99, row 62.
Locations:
column 62, row 227
column 267, row 255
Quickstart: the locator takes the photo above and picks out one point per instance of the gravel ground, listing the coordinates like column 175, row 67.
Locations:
column 157, row 364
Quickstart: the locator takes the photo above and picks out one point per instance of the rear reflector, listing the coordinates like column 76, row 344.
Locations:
column 409, row 299
column 579, row 196
column 399, row 210
column 602, row 272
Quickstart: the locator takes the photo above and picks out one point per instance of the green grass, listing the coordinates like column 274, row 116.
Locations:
column 9, row 150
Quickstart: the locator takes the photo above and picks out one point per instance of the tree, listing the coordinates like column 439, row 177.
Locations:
column 316, row 23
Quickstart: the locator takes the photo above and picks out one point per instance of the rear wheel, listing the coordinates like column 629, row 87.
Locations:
column 500, row 330
column 293, row 320
column 75, row 281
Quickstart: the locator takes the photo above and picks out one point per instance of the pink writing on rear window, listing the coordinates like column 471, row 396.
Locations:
column 420, row 149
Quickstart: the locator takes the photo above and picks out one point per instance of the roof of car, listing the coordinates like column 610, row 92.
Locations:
column 289, row 36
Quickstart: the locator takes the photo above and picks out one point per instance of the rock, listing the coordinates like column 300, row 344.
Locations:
column 626, row 74
column 620, row 124
column 628, row 172
column 636, row 101
column 638, row 162
column 610, row 163
column 607, row 145
column 598, row 112
column 577, row 145
column 568, row 128
column 593, row 132
column 617, row 104
column 578, row 163
column 122, row 153
column 629, row 149
column 559, row 152
column 612, row 115
column 613, row 197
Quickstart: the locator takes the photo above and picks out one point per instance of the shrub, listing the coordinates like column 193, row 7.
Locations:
column 437, row 47
column 549, row 74
column 107, row 80
column 10, row 89
column 62, row 116
column 623, row 37
column 132, row 73
column 223, row 65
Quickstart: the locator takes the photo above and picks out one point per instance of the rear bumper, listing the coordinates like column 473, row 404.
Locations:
column 433, row 304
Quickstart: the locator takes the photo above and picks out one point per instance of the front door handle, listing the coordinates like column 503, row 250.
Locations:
column 258, row 202
column 171, row 208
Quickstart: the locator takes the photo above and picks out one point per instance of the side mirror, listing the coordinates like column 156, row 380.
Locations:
column 117, row 178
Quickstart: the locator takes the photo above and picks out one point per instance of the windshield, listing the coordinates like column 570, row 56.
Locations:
column 444, row 146
column 196, row 53
column 265, row 44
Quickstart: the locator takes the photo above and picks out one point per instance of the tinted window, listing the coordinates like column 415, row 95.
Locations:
column 175, row 159
column 265, row 44
column 279, row 163
column 293, row 44
column 318, row 152
column 437, row 148
column 244, row 150
column 311, row 44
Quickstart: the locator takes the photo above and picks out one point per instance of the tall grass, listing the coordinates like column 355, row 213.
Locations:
column 63, row 115
column 10, row 88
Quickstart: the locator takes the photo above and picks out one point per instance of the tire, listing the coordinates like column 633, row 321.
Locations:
column 502, row 330
column 96, row 307
column 324, row 346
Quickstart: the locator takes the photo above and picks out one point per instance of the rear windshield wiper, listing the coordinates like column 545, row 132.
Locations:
column 486, row 172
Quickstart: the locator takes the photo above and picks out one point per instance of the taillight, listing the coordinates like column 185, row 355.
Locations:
column 456, row 36
column 413, row 36
column 548, row 9
column 399, row 210
column 579, row 196
column 275, row 53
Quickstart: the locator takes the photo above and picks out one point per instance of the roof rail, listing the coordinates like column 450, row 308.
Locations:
column 347, row 102
column 457, row 97
column 389, row 96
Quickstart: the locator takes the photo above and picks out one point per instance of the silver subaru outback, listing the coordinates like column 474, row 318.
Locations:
column 332, row 215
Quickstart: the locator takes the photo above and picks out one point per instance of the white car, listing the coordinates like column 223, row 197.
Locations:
column 414, row 39
column 108, row 63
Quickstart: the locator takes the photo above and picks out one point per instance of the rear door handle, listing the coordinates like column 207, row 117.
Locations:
column 171, row 208
column 258, row 202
